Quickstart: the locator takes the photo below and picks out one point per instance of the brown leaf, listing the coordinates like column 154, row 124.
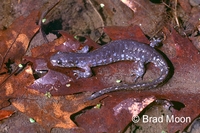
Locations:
column 65, row 82
column 117, row 109
column 15, row 40
column 14, row 43
column 70, row 44
column 150, row 17
column 185, row 5
column 114, row 115
column 16, row 85
column 127, row 32
column 44, row 49
column 104, row 77
column 185, row 81
column 58, row 85
column 182, row 55
column 5, row 114
column 51, row 112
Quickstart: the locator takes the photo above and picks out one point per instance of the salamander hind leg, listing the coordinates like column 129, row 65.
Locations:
column 139, row 73
column 86, row 74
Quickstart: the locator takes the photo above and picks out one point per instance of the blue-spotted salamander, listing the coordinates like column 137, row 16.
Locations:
column 119, row 50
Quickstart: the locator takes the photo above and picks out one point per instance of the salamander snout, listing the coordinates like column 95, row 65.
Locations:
column 63, row 59
column 56, row 59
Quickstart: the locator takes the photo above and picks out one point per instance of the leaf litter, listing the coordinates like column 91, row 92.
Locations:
column 52, row 111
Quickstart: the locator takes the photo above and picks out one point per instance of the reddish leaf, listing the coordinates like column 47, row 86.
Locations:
column 185, row 5
column 105, row 76
column 150, row 17
column 180, row 88
column 97, row 82
column 14, row 43
column 5, row 114
column 184, row 58
column 15, row 40
column 116, row 112
column 130, row 32
column 16, row 85
column 70, row 44
column 58, row 84
column 43, row 50
column 51, row 112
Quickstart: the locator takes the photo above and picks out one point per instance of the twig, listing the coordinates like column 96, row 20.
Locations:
column 102, row 22
column 175, row 14
column 3, row 58
column 41, row 18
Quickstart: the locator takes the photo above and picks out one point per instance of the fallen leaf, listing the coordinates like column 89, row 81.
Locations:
column 64, row 76
column 51, row 112
column 117, row 113
column 150, row 17
column 127, row 32
column 5, row 114
column 15, row 39
column 185, row 5
column 58, row 84
column 182, row 87
column 14, row 42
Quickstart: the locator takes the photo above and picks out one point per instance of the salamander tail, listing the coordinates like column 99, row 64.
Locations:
column 139, row 86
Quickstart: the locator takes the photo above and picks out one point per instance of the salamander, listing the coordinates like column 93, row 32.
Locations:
column 119, row 50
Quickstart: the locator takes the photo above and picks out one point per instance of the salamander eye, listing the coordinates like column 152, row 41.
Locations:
column 59, row 62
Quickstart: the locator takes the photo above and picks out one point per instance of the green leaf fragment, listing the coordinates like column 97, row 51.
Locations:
column 20, row 65
column 48, row 94
column 102, row 5
column 76, row 37
column 98, row 106
column 32, row 120
column 44, row 20
column 118, row 81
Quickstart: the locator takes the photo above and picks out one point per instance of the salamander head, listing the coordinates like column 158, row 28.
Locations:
column 63, row 59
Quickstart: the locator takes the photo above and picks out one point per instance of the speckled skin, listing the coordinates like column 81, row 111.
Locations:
column 119, row 50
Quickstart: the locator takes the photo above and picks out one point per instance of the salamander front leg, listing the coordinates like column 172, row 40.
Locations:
column 140, row 71
column 86, row 74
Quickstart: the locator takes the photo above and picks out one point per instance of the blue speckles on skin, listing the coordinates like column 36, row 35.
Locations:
column 115, row 51
column 122, row 56
column 142, row 56
column 110, row 59
column 157, row 59
column 100, row 62
column 154, row 58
